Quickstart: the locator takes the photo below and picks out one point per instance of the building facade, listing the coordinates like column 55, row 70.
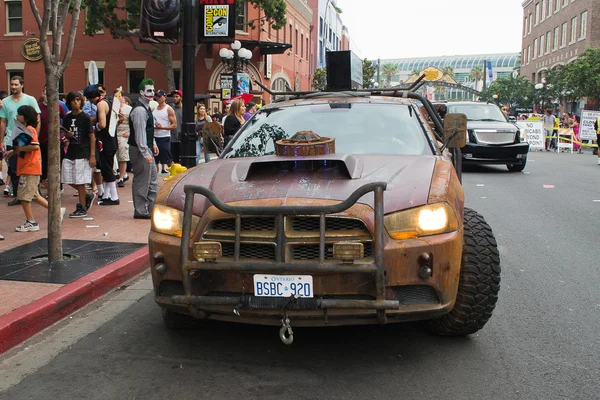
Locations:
column 503, row 65
column 556, row 32
column 121, row 66
column 328, row 30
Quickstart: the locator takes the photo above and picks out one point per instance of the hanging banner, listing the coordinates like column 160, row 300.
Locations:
column 243, row 83
column 588, row 119
column 217, row 21
column 226, row 86
column 533, row 133
column 159, row 21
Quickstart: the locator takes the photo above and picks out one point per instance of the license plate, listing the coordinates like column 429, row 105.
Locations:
column 283, row 285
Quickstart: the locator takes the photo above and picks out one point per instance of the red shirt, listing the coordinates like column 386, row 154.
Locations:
column 44, row 120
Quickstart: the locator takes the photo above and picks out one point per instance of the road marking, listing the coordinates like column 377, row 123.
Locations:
column 480, row 185
column 20, row 362
column 549, row 186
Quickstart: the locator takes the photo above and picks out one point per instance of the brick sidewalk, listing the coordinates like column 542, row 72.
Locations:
column 115, row 221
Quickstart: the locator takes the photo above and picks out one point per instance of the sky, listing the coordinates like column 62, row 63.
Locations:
column 420, row 28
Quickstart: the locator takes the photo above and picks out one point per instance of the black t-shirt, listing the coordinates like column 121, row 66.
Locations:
column 232, row 124
column 79, row 144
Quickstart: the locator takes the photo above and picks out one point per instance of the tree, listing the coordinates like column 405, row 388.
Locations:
column 368, row 73
column 515, row 91
column 112, row 15
column 581, row 77
column 53, row 20
column 320, row 79
column 477, row 75
column 389, row 70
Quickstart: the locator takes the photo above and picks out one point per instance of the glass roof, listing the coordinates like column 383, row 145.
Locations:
column 457, row 62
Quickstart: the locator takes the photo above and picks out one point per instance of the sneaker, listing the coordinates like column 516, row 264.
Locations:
column 89, row 200
column 7, row 190
column 79, row 212
column 14, row 202
column 121, row 183
column 109, row 202
column 126, row 178
column 63, row 211
column 28, row 227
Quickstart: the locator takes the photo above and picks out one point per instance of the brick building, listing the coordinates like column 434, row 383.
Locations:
column 120, row 65
column 556, row 32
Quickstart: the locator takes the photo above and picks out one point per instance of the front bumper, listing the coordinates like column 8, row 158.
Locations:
column 386, row 288
column 495, row 154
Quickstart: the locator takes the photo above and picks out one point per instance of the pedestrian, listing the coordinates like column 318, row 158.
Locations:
column 164, row 122
column 597, row 127
column 576, row 126
column 26, row 151
column 43, row 136
column 250, row 110
column 234, row 120
column 555, row 130
column 8, row 116
column 81, row 154
column 225, row 113
column 176, row 133
column 105, row 159
column 142, row 150
column 549, row 121
column 3, row 95
column 201, row 118
column 122, row 139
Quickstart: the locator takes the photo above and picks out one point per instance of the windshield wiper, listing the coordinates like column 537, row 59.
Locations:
column 486, row 120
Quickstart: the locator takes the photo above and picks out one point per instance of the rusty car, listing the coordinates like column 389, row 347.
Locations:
column 327, row 209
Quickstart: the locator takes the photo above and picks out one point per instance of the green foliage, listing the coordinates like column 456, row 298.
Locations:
column 274, row 12
column 580, row 78
column 320, row 79
column 476, row 74
column 511, row 90
column 389, row 70
column 368, row 73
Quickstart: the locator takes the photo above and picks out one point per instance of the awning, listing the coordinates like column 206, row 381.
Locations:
column 266, row 47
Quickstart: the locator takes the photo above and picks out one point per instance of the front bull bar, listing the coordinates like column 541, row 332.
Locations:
column 380, row 304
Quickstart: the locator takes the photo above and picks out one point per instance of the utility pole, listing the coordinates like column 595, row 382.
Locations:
column 378, row 69
column 484, row 74
column 188, row 128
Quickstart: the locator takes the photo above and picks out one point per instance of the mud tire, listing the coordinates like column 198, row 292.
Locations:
column 479, row 281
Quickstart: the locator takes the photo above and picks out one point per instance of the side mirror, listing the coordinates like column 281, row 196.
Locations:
column 455, row 131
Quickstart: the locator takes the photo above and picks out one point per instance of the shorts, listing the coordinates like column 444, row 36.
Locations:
column 122, row 150
column 164, row 151
column 28, row 188
column 76, row 172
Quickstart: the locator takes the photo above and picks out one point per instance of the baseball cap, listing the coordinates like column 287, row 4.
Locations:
column 161, row 93
column 174, row 92
column 91, row 91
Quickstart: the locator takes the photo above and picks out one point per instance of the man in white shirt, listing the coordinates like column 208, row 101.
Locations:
column 165, row 121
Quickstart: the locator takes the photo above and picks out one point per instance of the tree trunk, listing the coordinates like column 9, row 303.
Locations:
column 167, row 58
column 55, row 250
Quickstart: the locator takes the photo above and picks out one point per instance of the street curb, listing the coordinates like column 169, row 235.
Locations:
column 25, row 322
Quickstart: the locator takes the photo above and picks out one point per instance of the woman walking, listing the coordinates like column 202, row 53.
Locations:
column 201, row 118
column 234, row 120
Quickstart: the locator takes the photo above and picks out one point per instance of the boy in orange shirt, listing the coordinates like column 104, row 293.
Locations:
column 29, row 165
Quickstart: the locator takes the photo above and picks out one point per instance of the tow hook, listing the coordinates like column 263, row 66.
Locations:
column 285, row 332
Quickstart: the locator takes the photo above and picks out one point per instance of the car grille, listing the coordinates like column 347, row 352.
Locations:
column 495, row 137
column 258, row 237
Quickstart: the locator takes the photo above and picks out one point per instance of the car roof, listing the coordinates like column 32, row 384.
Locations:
column 342, row 97
column 472, row 103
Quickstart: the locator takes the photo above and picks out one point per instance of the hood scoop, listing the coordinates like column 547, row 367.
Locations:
column 333, row 165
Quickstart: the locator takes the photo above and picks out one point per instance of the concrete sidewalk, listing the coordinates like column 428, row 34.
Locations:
column 28, row 307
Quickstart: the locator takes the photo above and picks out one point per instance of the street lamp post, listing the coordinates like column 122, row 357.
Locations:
column 496, row 99
column 543, row 87
column 236, row 59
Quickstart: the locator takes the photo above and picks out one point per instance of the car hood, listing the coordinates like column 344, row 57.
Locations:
column 501, row 126
column 408, row 179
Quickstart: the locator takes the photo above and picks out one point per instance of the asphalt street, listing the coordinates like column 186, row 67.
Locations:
column 543, row 341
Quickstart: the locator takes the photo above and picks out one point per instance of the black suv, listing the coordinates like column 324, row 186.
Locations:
column 491, row 138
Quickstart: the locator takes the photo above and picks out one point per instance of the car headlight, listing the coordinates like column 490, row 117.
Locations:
column 169, row 221
column 431, row 219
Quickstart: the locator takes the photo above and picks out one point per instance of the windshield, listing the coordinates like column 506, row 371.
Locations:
column 357, row 129
column 479, row 112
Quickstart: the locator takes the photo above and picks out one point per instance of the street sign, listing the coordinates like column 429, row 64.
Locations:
column 533, row 133
column 588, row 118
column 217, row 21
column 226, row 86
